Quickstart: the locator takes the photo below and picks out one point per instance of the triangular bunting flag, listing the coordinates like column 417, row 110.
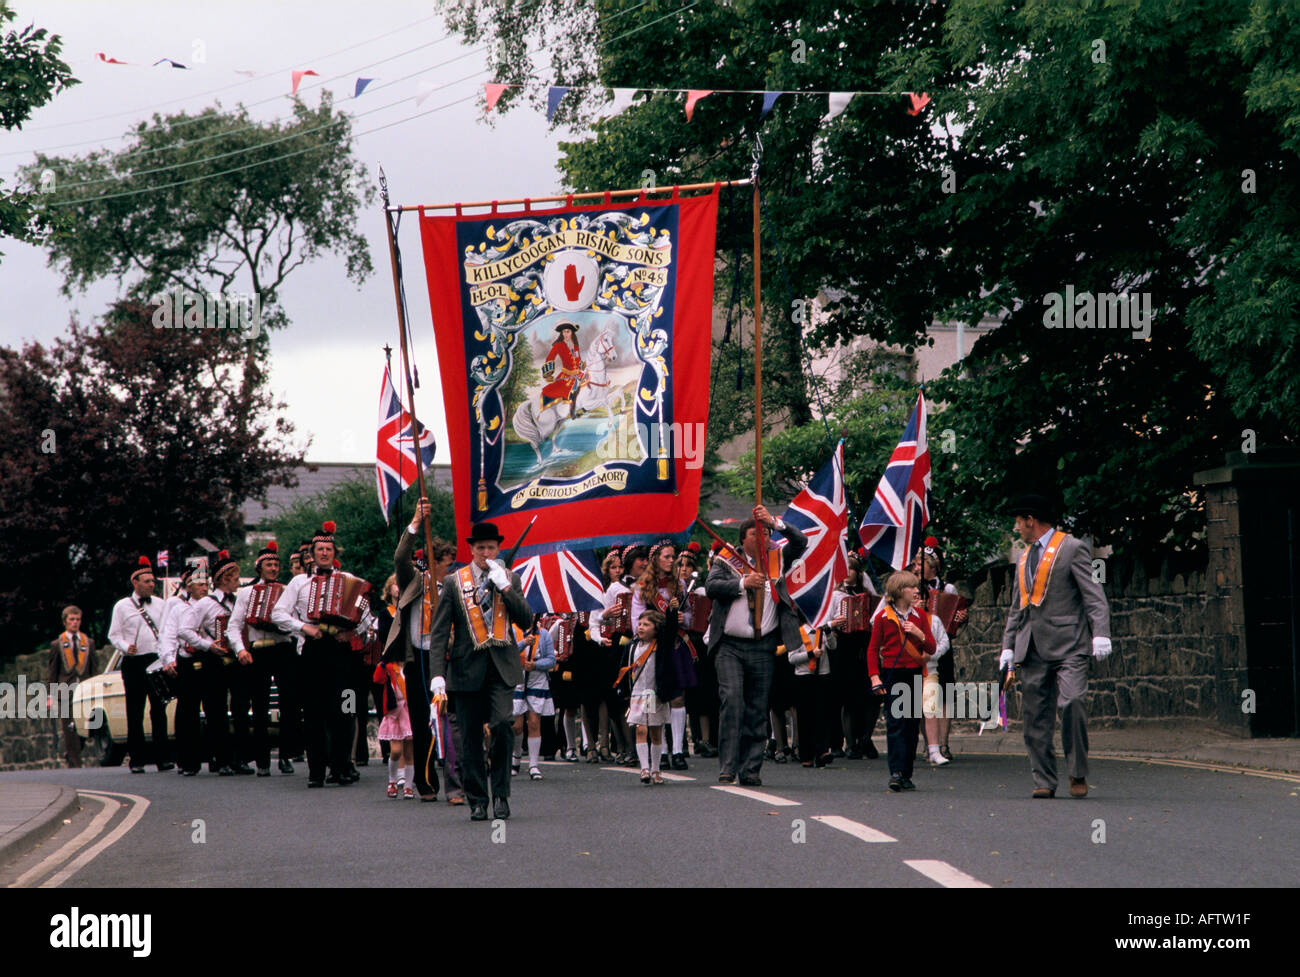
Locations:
column 298, row 76
column 174, row 64
column 107, row 60
column 553, row 97
column 493, row 92
column 918, row 102
column 693, row 96
column 769, row 99
column 837, row 102
column 622, row 100
column 361, row 86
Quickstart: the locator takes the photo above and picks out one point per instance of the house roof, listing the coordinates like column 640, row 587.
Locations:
column 318, row 477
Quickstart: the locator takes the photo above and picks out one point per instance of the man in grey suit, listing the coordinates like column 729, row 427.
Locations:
column 478, row 603
column 746, row 657
column 1056, row 608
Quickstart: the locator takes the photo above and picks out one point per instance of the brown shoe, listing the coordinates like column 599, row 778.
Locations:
column 1078, row 787
column 1043, row 793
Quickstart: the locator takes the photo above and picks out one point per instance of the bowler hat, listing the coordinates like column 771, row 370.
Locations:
column 482, row 531
column 1033, row 504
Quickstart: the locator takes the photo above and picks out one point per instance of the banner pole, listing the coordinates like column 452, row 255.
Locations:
column 760, row 552
column 406, row 368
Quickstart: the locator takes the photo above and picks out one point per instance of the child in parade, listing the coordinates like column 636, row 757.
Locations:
column 651, row 679
column 533, row 695
column 395, row 727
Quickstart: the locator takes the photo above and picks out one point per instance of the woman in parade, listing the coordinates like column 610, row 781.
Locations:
column 702, row 700
column 597, row 673
column 657, row 587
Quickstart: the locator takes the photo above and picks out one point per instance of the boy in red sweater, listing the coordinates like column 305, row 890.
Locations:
column 902, row 641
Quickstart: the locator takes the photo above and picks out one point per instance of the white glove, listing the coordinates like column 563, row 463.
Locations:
column 500, row 579
column 438, row 686
column 1008, row 658
column 1100, row 648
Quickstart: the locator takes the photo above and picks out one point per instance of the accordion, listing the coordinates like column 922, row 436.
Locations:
column 699, row 608
column 564, row 637
column 217, row 632
column 618, row 619
column 260, row 601
column 336, row 600
column 945, row 606
column 856, row 613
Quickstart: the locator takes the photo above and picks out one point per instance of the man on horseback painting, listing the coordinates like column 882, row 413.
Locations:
column 564, row 385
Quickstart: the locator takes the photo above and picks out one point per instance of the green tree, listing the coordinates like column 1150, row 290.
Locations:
column 31, row 73
column 1128, row 147
column 365, row 544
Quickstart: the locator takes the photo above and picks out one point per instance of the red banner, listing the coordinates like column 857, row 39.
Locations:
column 574, row 348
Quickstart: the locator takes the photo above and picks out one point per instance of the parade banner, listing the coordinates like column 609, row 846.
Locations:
column 574, row 348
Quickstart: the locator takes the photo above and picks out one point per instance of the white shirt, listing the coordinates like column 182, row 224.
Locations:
column 199, row 628
column 290, row 612
column 174, row 612
column 739, row 622
column 611, row 594
column 129, row 626
column 238, row 617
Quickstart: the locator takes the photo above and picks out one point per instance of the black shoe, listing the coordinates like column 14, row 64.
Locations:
column 770, row 752
column 227, row 771
column 264, row 771
column 664, row 763
column 751, row 782
column 500, row 808
column 190, row 773
column 781, row 758
column 679, row 761
column 726, row 778
column 478, row 812
column 869, row 750
column 164, row 767
column 363, row 761
column 351, row 775
column 895, row 784
column 823, row 761
column 315, row 783
column 286, row 766
column 244, row 770
column 838, row 753
column 907, row 784
column 332, row 779
column 137, row 769
column 853, row 755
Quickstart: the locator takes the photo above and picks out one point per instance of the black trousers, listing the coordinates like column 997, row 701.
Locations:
column 137, row 689
column 329, row 723
column 250, row 688
column 814, row 703
column 202, row 684
column 417, row 705
column 902, row 718
column 285, row 667
column 494, row 705
column 745, row 667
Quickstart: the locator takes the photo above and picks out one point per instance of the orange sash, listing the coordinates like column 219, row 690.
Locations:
column 892, row 615
column 475, row 614
column 526, row 655
column 1042, row 574
column 426, row 613
column 75, row 661
column 640, row 662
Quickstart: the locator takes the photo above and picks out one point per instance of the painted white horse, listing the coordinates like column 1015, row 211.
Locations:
column 595, row 392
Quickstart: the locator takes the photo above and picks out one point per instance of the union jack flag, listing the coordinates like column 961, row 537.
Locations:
column 562, row 583
column 821, row 513
column 893, row 524
column 395, row 458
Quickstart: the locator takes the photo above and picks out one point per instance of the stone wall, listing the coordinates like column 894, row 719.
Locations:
column 1163, row 665
column 34, row 744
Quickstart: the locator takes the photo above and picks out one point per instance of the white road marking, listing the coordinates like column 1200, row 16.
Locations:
column 138, row 806
column 665, row 774
column 945, row 874
column 107, row 808
column 757, row 795
column 859, row 831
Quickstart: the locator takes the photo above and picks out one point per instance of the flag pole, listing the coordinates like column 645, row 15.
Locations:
column 406, row 368
column 760, row 551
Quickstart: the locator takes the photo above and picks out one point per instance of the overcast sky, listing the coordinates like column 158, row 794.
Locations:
column 338, row 330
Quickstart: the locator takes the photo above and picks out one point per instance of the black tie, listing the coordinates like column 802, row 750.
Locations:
column 1033, row 560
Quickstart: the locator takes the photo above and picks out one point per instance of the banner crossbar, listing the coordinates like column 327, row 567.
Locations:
column 567, row 197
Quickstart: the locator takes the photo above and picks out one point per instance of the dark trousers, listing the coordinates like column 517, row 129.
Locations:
column 137, row 689
column 902, row 717
column 417, row 705
column 329, row 725
column 494, row 705
column 201, row 684
column 285, row 667
column 745, row 667
column 1046, row 686
column 814, row 704
column 250, row 688
column 71, row 742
